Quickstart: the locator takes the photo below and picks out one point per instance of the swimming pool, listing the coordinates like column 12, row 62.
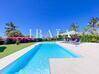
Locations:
column 36, row 61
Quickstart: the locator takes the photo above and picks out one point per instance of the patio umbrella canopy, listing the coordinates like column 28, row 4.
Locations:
column 69, row 33
column 72, row 32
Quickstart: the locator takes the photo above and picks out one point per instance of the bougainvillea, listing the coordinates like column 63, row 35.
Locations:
column 11, row 40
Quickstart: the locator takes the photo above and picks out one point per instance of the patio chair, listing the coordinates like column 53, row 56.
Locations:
column 76, row 41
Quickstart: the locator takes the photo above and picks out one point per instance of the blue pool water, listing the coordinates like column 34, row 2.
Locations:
column 36, row 61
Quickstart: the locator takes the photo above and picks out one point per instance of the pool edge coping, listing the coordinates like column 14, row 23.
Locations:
column 12, row 57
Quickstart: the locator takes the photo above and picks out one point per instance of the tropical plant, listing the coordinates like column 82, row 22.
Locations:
column 11, row 30
column 74, row 27
column 93, row 23
column 89, row 38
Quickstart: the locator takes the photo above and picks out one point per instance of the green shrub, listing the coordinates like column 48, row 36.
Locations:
column 10, row 41
column 1, row 41
column 94, row 40
column 17, row 42
column 89, row 38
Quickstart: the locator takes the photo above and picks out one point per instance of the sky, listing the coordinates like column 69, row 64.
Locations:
column 46, row 14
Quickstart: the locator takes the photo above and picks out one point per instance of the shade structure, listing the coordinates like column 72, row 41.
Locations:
column 69, row 33
column 72, row 32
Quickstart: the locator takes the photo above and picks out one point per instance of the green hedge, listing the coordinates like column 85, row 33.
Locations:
column 89, row 38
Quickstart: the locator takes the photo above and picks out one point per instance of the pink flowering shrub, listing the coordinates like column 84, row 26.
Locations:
column 11, row 40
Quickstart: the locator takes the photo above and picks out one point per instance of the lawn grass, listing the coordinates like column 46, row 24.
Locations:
column 11, row 48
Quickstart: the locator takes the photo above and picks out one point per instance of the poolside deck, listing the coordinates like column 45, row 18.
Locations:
column 87, row 64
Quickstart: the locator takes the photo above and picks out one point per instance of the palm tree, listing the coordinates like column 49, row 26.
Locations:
column 93, row 21
column 74, row 27
column 93, row 24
